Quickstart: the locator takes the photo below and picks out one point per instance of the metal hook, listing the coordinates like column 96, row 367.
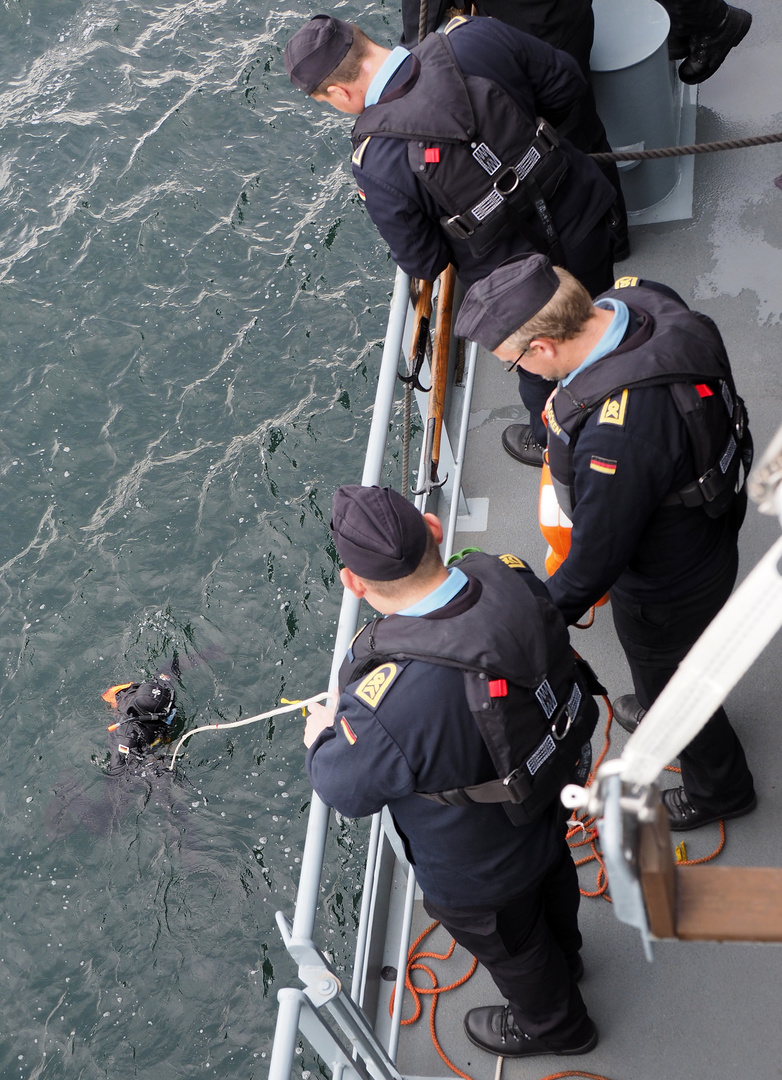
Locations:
column 420, row 356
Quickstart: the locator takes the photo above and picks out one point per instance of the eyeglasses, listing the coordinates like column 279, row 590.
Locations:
column 515, row 363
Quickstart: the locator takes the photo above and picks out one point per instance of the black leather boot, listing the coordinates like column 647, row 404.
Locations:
column 708, row 52
column 519, row 442
column 493, row 1028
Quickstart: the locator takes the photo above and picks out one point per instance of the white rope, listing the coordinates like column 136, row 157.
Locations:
column 250, row 720
column 724, row 652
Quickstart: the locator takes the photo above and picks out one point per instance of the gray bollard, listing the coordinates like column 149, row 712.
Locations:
column 631, row 75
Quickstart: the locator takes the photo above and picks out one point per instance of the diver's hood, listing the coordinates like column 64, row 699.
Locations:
column 151, row 701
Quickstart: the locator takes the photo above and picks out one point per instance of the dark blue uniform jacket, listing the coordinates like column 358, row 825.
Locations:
column 422, row 736
column 623, row 538
column 543, row 82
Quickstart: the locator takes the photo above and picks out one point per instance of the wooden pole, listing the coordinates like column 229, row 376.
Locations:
column 440, row 355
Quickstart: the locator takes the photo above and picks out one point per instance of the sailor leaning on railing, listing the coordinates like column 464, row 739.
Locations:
column 463, row 711
column 458, row 155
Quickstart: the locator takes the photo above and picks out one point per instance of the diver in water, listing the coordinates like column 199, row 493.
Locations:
column 146, row 721
column 146, row 712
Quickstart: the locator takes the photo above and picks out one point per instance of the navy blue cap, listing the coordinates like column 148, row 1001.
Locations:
column 496, row 306
column 316, row 50
column 379, row 535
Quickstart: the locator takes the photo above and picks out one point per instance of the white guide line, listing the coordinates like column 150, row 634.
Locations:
column 293, row 707
column 723, row 653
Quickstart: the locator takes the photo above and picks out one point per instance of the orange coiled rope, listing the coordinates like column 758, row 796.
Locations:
column 413, row 964
column 582, row 831
column 574, row 1072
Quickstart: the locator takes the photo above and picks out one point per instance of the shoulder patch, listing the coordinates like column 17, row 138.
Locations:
column 457, row 21
column 358, row 153
column 603, row 465
column 514, row 562
column 377, row 683
column 348, row 731
column 614, row 409
column 626, row 282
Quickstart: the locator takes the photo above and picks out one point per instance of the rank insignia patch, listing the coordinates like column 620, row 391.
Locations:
column 371, row 689
column 603, row 465
column 514, row 562
column 614, row 409
column 358, row 153
column 625, row 282
column 348, row 731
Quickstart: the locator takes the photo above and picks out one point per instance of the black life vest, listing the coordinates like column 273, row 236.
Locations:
column 680, row 349
column 481, row 157
column 531, row 698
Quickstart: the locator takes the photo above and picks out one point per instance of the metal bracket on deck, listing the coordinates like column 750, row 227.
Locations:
column 620, row 813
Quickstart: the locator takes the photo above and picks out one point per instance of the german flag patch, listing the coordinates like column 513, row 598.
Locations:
column 614, row 409
column 603, row 465
column 348, row 731
column 376, row 685
column 626, row 282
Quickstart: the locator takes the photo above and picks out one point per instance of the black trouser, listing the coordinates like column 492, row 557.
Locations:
column 695, row 18
column 523, row 945
column 656, row 638
column 592, row 263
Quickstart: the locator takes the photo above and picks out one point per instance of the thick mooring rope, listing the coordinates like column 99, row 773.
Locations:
column 682, row 151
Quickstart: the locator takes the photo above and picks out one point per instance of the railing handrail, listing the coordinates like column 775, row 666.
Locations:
column 302, row 929
column 318, row 819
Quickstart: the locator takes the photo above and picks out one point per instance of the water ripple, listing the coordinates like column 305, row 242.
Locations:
column 192, row 308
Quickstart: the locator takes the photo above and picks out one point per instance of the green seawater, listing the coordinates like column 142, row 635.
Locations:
column 192, row 307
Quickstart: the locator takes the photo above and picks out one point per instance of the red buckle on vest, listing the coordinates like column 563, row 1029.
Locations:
column 432, row 155
column 704, row 390
column 498, row 688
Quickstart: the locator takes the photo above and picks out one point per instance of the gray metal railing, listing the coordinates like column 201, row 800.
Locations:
column 350, row 1047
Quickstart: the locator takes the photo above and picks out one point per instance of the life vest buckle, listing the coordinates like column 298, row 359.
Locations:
column 558, row 735
column 458, row 227
column 547, row 133
column 507, row 182
column 511, row 778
